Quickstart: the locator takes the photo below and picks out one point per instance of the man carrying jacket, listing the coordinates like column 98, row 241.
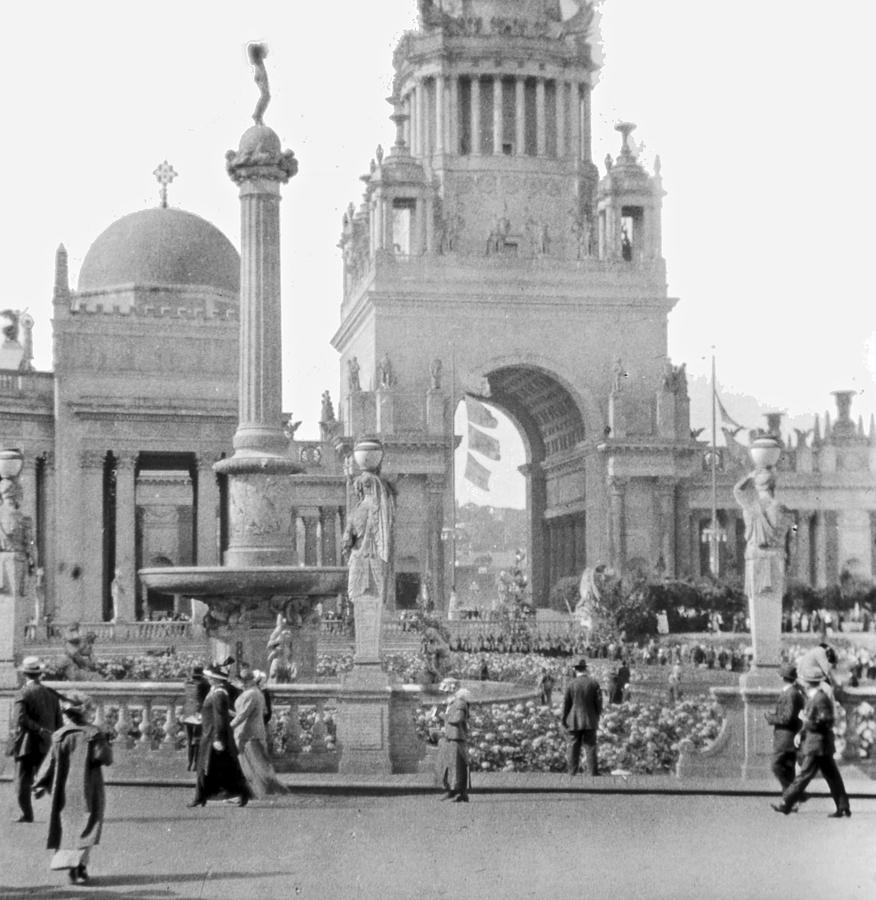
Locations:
column 582, row 707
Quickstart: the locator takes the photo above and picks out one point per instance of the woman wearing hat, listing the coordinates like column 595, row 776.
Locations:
column 218, row 767
column 73, row 774
column 454, row 755
column 251, row 737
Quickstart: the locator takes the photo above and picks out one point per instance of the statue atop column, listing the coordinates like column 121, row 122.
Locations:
column 257, row 54
column 368, row 540
column 766, row 526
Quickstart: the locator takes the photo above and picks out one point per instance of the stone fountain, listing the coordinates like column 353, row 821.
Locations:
column 260, row 579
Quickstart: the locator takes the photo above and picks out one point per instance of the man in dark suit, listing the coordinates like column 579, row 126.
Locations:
column 582, row 707
column 817, row 747
column 785, row 720
column 37, row 716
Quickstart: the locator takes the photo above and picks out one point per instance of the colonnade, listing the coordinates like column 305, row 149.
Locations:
column 498, row 114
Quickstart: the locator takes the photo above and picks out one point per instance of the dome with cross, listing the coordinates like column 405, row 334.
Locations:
column 161, row 247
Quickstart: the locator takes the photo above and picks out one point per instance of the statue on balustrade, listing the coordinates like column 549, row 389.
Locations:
column 281, row 668
column 368, row 537
column 766, row 525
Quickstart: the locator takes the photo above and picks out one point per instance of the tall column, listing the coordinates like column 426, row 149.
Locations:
column 476, row 115
column 260, row 531
column 440, row 115
column 561, row 101
column 422, row 122
column 497, row 114
column 666, row 501
column 87, row 570
column 617, row 495
column 412, row 123
column 208, row 511
column 586, row 150
column 27, row 479
column 436, row 561
column 320, row 537
column 519, row 116
column 683, row 562
column 125, row 577
column 575, row 123
column 820, row 549
column 453, row 116
column 409, row 112
column 536, row 501
column 804, row 548
column 540, row 118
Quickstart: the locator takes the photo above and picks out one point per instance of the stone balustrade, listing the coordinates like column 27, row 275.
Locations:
column 117, row 632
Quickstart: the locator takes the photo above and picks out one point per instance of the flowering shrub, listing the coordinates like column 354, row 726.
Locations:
column 633, row 738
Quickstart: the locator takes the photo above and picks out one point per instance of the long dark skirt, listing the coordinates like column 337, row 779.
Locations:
column 453, row 766
column 221, row 775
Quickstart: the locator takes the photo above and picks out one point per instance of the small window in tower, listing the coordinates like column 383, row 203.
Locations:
column 631, row 243
column 402, row 224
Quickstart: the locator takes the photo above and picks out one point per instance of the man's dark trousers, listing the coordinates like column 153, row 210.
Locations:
column 587, row 740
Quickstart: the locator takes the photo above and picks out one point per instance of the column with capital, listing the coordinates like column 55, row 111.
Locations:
column 617, row 496
column 440, row 115
column 561, row 102
column 87, row 570
column 124, row 582
column 540, row 118
column 452, row 91
column 666, row 502
column 476, row 115
column 575, row 121
column 497, row 114
column 519, row 116
column 259, row 490
column 436, row 491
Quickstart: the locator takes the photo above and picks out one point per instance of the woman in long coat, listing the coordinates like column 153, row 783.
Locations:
column 73, row 773
column 453, row 754
column 251, row 737
column 218, row 766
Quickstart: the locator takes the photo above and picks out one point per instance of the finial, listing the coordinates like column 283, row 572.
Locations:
column 816, row 431
column 164, row 175
column 626, row 129
column 379, row 154
column 257, row 53
column 62, row 279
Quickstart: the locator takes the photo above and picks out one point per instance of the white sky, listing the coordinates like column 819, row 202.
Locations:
column 759, row 111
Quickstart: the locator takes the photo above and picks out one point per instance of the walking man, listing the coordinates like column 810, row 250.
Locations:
column 37, row 716
column 582, row 707
column 817, row 747
column 786, row 723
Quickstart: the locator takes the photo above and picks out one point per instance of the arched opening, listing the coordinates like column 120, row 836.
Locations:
column 519, row 487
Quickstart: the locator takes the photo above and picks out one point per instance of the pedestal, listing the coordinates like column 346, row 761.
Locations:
column 364, row 721
column 765, row 612
column 367, row 611
column 15, row 607
column 385, row 411
column 435, row 412
column 743, row 749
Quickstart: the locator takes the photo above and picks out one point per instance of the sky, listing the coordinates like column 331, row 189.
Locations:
column 757, row 110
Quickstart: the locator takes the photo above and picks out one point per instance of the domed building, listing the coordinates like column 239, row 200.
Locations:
column 119, row 441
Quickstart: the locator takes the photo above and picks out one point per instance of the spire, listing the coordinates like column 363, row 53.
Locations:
column 61, row 293
column 816, row 431
column 164, row 175
column 827, row 428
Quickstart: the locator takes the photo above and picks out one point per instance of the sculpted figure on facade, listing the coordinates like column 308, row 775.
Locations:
column 327, row 409
column 618, row 375
column 368, row 537
column 500, row 231
column 385, row 376
column 582, row 231
column 353, row 384
column 435, row 374
column 15, row 527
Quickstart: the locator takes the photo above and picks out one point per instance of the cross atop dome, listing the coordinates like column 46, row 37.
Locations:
column 164, row 175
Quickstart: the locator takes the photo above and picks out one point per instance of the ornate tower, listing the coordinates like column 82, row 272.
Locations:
column 485, row 239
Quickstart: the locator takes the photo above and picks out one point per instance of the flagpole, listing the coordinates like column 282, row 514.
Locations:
column 453, row 405
column 714, row 558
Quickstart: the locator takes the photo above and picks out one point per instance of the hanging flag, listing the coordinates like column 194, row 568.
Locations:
column 726, row 418
column 476, row 473
column 478, row 414
column 483, row 443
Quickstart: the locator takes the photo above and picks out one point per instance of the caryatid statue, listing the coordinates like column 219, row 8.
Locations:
column 368, row 541
column 766, row 526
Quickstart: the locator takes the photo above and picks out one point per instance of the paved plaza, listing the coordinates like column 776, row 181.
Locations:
column 502, row 844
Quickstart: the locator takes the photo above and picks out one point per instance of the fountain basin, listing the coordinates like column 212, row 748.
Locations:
column 227, row 581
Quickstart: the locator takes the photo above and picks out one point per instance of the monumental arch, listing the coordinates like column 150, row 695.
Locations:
column 487, row 239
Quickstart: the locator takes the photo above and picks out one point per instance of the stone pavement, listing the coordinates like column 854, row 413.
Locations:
column 506, row 843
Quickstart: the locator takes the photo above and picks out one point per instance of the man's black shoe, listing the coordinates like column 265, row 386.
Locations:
column 784, row 810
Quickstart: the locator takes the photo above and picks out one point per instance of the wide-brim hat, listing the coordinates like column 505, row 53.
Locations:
column 75, row 703
column 811, row 674
column 581, row 665
column 32, row 665
column 788, row 671
column 217, row 672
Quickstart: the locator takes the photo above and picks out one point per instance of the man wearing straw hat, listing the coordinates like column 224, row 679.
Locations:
column 36, row 716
